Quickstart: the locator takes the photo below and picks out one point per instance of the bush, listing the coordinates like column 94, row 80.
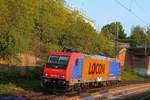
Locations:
column 129, row 74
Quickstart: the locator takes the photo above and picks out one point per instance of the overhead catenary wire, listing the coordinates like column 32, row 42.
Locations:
column 129, row 10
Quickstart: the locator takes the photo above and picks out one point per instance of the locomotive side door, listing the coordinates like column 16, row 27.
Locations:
column 77, row 70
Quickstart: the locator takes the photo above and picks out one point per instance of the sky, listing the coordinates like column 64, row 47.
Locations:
column 103, row 12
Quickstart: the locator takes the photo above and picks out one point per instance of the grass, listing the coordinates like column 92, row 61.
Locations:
column 129, row 74
column 12, row 81
column 8, row 89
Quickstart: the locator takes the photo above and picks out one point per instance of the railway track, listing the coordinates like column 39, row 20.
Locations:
column 122, row 83
column 114, row 93
column 31, row 95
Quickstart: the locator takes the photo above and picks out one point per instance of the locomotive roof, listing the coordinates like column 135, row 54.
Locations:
column 80, row 54
column 64, row 53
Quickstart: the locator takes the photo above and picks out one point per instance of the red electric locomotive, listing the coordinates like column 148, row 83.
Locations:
column 75, row 70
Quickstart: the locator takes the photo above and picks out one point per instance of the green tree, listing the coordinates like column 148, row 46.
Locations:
column 15, row 26
column 108, row 35
column 111, row 30
column 106, row 46
column 41, row 26
column 79, row 34
column 148, row 35
column 138, row 36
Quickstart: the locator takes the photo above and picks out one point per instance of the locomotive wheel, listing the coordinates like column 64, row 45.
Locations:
column 79, row 89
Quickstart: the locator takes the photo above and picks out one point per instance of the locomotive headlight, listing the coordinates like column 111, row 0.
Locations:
column 46, row 75
column 61, row 82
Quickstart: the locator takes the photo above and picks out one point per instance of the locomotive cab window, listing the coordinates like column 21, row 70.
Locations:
column 58, row 62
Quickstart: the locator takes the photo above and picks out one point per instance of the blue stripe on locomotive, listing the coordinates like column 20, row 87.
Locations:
column 77, row 69
column 115, row 69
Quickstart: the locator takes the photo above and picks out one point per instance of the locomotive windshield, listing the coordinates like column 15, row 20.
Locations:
column 58, row 62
